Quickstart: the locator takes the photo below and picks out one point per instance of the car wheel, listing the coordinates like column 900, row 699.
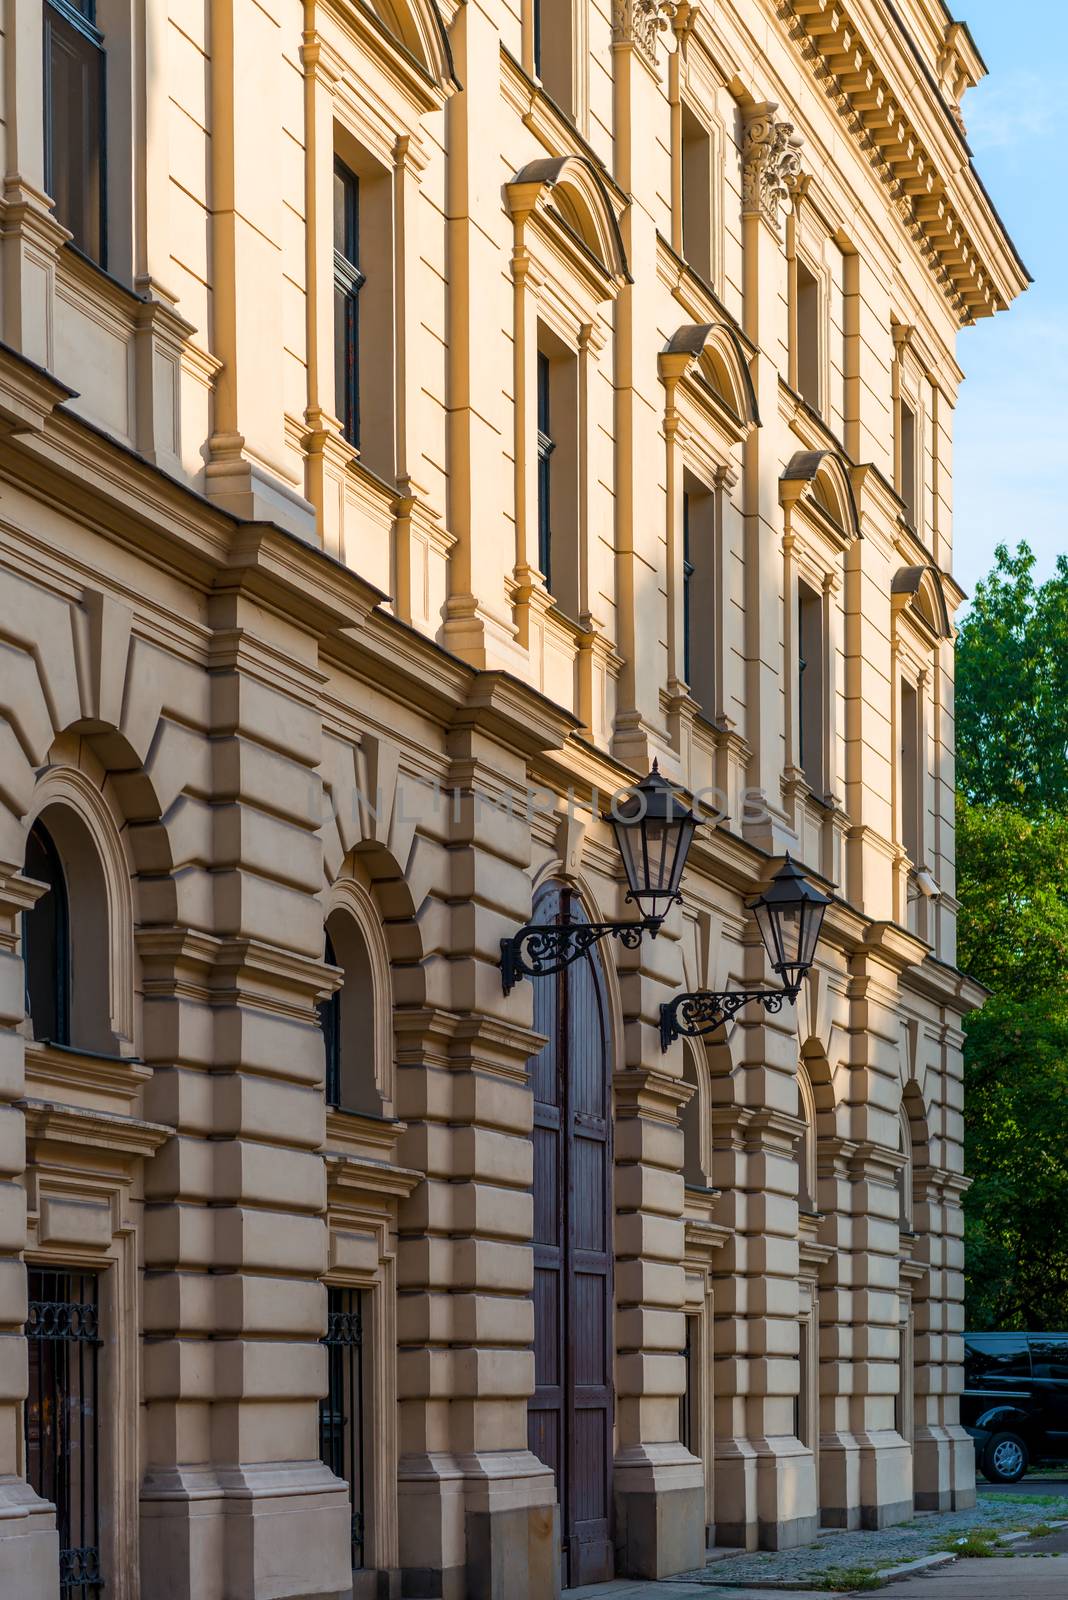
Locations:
column 1005, row 1459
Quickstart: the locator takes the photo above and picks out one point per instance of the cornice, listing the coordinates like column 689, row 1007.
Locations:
column 349, row 1176
column 75, row 1125
column 920, row 153
column 515, row 714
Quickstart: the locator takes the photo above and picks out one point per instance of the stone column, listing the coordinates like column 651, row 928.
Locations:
column 29, row 1546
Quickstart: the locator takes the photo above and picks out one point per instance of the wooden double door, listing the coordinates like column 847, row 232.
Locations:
column 570, row 1416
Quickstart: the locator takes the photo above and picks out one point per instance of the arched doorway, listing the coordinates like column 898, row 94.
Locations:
column 569, row 1420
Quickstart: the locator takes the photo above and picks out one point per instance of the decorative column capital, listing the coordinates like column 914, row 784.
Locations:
column 771, row 163
column 640, row 22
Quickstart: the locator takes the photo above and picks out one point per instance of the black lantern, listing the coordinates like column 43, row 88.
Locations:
column 654, row 829
column 789, row 915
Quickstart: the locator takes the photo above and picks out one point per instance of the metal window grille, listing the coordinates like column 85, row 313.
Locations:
column 341, row 1413
column 348, row 281
column 62, row 1420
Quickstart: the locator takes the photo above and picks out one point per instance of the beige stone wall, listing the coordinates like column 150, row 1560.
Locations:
column 253, row 679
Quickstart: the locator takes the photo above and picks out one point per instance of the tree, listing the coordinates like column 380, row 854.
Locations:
column 1012, row 855
column 1012, row 688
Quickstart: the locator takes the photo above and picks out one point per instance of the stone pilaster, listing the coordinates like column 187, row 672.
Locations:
column 477, row 1509
column 234, row 1367
column 29, row 1548
column 659, row 1485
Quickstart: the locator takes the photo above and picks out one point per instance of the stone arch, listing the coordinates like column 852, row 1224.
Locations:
column 820, row 1076
column 714, row 350
column 574, row 186
column 914, row 1141
column 70, row 803
column 419, row 27
column 808, row 1174
column 555, row 871
column 821, row 478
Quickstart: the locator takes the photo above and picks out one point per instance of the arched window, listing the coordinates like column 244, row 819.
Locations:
column 348, row 1020
column 695, row 1143
column 904, row 1175
column 46, row 942
column 806, row 1145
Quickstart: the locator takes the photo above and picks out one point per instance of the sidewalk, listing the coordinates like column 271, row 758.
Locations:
column 835, row 1558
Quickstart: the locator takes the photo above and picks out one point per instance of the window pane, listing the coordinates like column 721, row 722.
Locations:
column 45, row 942
column 74, row 130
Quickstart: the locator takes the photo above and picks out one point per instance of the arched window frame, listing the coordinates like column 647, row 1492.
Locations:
column 54, row 902
column 808, row 1176
column 352, row 901
column 906, row 1213
column 71, row 804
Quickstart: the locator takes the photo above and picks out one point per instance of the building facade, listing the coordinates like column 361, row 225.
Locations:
column 415, row 417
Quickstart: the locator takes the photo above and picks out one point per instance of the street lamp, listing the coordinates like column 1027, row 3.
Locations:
column 789, row 915
column 654, row 829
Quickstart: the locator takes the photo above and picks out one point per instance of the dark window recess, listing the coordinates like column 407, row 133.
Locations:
column 808, row 335
column 341, row 1413
column 810, row 684
column 46, row 942
column 908, row 462
column 62, row 1434
column 687, row 592
column 348, row 281
column 74, row 75
column 686, row 1427
column 546, row 446
column 330, row 1022
column 537, row 38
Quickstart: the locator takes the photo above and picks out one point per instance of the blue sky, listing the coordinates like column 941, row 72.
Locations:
column 1011, row 456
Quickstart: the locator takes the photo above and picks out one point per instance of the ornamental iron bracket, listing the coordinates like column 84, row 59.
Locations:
column 540, row 949
column 690, row 1015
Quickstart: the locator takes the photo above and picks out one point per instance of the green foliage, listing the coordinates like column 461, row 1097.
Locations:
column 1012, row 688
column 976, row 1544
column 848, row 1580
column 1012, row 859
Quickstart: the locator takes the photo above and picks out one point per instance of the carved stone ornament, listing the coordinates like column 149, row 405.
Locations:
column 640, row 22
column 771, row 163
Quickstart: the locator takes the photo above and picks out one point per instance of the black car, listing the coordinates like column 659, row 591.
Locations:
column 1015, row 1400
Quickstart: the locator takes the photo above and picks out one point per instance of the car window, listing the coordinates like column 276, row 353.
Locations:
column 987, row 1359
column 1049, row 1358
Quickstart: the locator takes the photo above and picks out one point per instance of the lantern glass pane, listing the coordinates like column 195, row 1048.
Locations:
column 658, row 858
column 628, row 841
column 685, row 833
column 812, row 922
column 769, row 932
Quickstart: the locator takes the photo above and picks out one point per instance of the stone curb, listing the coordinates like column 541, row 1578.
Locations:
column 906, row 1569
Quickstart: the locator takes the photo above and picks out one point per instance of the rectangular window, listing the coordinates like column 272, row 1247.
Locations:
column 557, row 441
column 696, row 194
column 700, row 618
column 62, row 1412
column 807, row 335
column 810, row 675
column 348, row 281
column 911, row 809
column 554, row 51
column 341, row 1412
column 907, row 486
column 74, row 67
column 546, row 446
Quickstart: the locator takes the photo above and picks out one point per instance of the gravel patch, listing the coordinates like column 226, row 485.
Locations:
column 886, row 1547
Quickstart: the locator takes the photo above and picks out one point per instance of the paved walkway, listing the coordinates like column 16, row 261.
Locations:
column 998, row 1578
column 1038, row 1570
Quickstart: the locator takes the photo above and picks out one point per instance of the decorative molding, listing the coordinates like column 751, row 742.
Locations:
column 641, row 23
column 771, row 163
